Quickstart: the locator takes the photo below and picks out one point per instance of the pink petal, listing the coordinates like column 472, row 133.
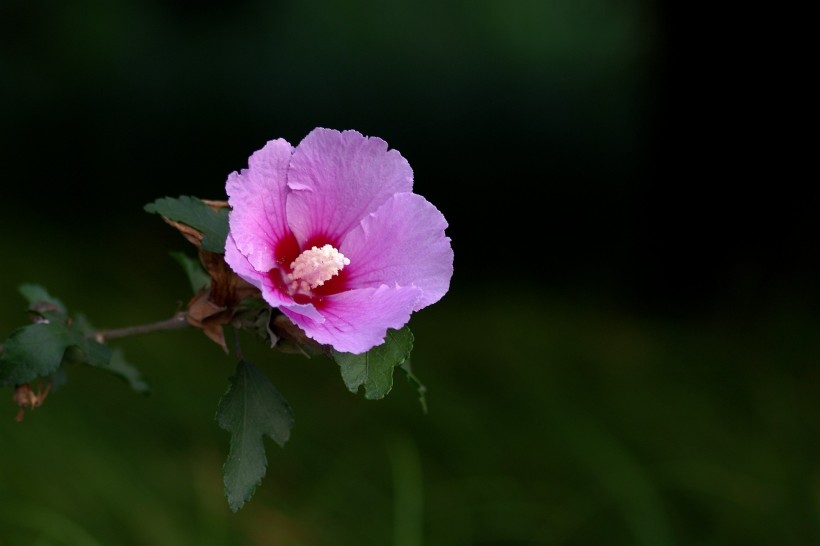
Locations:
column 357, row 320
column 305, row 310
column 240, row 264
column 337, row 179
column 403, row 243
column 271, row 294
column 257, row 195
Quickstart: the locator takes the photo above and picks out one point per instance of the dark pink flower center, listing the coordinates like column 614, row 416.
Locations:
column 310, row 272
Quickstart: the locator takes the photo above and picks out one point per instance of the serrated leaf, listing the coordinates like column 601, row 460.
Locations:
column 34, row 351
column 252, row 408
column 197, row 276
column 374, row 369
column 193, row 212
column 421, row 390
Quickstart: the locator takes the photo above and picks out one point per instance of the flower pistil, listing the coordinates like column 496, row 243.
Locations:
column 313, row 267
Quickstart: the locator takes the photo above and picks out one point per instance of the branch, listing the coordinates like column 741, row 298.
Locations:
column 180, row 320
column 177, row 321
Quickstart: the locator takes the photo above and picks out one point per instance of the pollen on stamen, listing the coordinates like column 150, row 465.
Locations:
column 312, row 268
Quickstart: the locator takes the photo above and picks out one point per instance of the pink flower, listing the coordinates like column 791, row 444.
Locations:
column 333, row 236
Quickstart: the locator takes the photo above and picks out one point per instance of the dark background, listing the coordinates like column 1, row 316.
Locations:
column 628, row 224
column 637, row 148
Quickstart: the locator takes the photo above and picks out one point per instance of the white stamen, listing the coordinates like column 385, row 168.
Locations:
column 314, row 267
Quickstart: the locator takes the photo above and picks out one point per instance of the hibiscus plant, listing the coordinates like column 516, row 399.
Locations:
column 321, row 249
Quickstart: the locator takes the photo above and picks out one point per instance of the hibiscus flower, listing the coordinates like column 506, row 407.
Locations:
column 333, row 236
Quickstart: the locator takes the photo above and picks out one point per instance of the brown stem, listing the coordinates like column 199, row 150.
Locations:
column 177, row 321
column 173, row 323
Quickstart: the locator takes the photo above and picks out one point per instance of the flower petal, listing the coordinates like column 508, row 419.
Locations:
column 357, row 320
column 257, row 196
column 337, row 179
column 240, row 264
column 306, row 310
column 270, row 292
column 403, row 243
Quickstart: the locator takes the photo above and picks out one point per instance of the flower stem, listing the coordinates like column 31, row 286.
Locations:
column 173, row 323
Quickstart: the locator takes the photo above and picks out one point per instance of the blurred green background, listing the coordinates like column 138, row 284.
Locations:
column 628, row 351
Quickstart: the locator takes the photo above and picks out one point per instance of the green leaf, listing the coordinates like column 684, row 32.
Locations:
column 58, row 379
column 193, row 270
column 86, row 350
column 100, row 356
column 254, row 315
column 39, row 350
column 35, row 293
column 421, row 390
column 193, row 212
column 121, row 368
column 95, row 354
column 252, row 408
column 34, row 351
column 82, row 324
column 374, row 369
column 41, row 302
